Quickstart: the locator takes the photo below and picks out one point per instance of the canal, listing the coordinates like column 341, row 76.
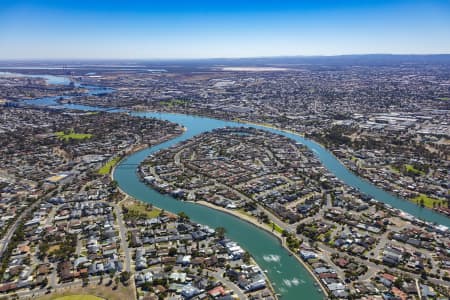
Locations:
column 290, row 279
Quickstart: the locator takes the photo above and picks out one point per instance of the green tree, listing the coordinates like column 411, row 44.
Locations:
column 44, row 282
column 125, row 276
column 246, row 257
column 183, row 216
column 173, row 251
column 220, row 232
column 398, row 282
column 147, row 286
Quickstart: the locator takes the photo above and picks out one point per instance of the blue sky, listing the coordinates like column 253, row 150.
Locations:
column 61, row 29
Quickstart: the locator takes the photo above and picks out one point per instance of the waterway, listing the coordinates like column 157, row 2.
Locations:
column 290, row 279
column 51, row 79
column 197, row 125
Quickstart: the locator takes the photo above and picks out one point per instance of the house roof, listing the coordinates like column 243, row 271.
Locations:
column 388, row 277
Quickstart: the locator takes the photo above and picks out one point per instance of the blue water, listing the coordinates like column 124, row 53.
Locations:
column 262, row 246
column 198, row 125
column 51, row 79
column 282, row 269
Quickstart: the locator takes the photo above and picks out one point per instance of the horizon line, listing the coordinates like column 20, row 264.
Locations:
column 224, row 58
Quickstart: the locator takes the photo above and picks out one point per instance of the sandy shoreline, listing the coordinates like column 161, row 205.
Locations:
column 263, row 227
column 240, row 216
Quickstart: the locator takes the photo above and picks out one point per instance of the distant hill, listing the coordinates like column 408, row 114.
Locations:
column 366, row 59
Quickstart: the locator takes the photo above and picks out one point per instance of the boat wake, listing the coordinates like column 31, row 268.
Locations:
column 292, row 282
column 271, row 258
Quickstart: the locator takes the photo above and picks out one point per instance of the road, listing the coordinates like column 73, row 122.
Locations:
column 123, row 237
column 419, row 293
column 326, row 250
column 12, row 229
column 237, row 291
column 53, row 279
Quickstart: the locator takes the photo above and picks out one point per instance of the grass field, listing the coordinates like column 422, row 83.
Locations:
column 173, row 102
column 276, row 227
column 53, row 248
column 410, row 168
column 394, row 169
column 136, row 208
column 427, row 201
column 93, row 292
column 106, row 168
column 72, row 135
column 444, row 98
column 244, row 212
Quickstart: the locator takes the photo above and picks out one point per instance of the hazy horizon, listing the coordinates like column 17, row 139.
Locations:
column 157, row 59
